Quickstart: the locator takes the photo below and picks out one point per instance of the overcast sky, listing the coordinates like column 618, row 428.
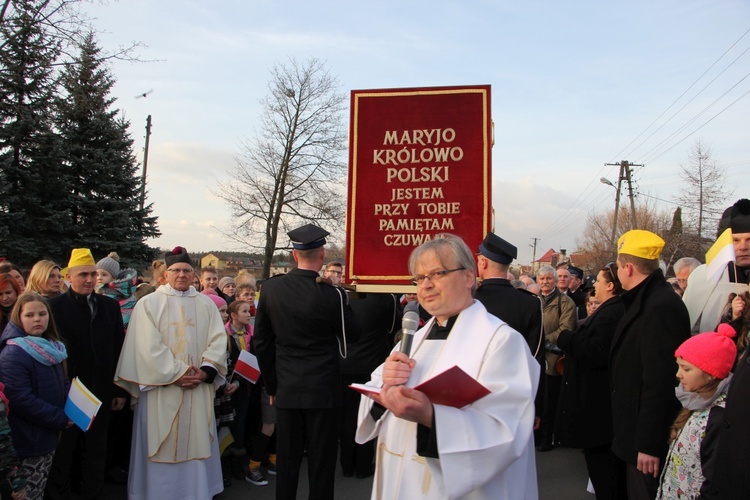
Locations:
column 575, row 85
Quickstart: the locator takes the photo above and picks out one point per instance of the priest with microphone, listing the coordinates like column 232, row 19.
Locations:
column 434, row 451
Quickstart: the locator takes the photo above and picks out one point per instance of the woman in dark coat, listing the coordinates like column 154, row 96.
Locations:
column 584, row 417
column 32, row 369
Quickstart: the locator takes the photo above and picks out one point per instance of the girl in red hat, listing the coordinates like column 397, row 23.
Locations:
column 704, row 364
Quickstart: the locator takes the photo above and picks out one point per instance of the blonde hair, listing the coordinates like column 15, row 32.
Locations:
column 40, row 274
column 158, row 268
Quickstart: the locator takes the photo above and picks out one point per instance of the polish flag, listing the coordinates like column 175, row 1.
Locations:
column 247, row 366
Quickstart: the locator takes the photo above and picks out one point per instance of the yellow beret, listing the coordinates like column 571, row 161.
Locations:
column 81, row 257
column 640, row 243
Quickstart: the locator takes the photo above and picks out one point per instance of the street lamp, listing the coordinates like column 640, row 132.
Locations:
column 606, row 181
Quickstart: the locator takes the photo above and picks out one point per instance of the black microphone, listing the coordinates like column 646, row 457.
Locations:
column 409, row 325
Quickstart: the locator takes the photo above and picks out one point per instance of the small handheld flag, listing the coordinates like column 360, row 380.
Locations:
column 225, row 439
column 719, row 255
column 81, row 406
column 247, row 367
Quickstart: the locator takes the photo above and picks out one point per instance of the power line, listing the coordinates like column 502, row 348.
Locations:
column 564, row 227
column 583, row 193
column 688, row 102
column 701, row 126
column 619, row 154
column 689, row 122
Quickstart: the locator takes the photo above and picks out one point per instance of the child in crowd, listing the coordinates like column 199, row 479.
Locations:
column 32, row 369
column 592, row 304
column 246, row 292
column 242, row 313
column 11, row 483
column 118, row 284
column 220, row 303
column 209, row 278
column 223, row 408
column 227, row 285
column 240, row 334
column 704, row 363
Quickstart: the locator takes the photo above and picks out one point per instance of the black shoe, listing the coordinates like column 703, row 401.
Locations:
column 237, row 469
column 117, row 475
column 545, row 447
column 369, row 473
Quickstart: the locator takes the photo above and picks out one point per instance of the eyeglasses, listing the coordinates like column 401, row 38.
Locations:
column 612, row 274
column 433, row 277
column 180, row 271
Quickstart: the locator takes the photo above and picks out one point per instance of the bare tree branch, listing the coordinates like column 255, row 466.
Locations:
column 704, row 193
column 595, row 239
column 293, row 170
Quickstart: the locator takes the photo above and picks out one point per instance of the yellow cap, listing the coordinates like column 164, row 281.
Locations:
column 640, row 243
column 81, row 257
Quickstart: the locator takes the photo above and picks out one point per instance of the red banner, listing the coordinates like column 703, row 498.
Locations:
column 419, row 165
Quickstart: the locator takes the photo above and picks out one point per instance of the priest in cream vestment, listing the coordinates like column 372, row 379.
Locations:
column 705, row 299
column 172, row 362
column 424, row 450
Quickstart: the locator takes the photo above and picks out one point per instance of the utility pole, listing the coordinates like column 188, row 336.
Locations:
column 533, row 259
column 145, row 162
column 624, row 175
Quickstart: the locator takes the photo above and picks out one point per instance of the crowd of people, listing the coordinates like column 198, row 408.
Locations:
column 646, row 374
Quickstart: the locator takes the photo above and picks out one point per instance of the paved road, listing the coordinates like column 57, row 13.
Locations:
column 561, row 473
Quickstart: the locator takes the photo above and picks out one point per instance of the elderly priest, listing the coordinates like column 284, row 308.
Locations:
column 172, row 362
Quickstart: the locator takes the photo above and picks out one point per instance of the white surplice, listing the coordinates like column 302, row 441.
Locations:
column 486, row 449
column 175, row 448
column 705, row 300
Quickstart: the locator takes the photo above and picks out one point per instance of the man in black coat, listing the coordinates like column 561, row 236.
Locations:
column 730, row 478
column 301, row 326
column 575, row 291
column 520, row 309
column 380, row 316
column 642, row 366
column 92, row 329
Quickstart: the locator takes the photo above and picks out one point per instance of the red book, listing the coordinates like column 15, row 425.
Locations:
column 453, row 387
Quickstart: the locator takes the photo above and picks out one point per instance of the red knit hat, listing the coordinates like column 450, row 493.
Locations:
column 712, row 352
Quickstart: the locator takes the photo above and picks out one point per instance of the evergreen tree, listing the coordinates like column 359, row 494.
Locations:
column 33, row 208
column 105, row 212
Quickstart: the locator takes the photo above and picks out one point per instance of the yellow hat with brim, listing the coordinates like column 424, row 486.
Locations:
column 81, row 257
column 640, row 243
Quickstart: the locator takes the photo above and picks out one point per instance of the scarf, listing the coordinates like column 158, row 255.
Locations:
column 3, row 398
column 47, row 352
column 552, row 296
column 693, row 401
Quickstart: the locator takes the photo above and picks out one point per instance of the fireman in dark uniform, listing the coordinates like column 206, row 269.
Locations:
column 522, row 310
column 301, row 328
column 577, row 293
column 517, row 307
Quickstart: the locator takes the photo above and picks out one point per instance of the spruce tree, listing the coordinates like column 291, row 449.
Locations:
column 105, row 212
column 33, row 187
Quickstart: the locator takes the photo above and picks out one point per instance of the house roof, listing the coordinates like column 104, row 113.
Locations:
column 547, row 257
